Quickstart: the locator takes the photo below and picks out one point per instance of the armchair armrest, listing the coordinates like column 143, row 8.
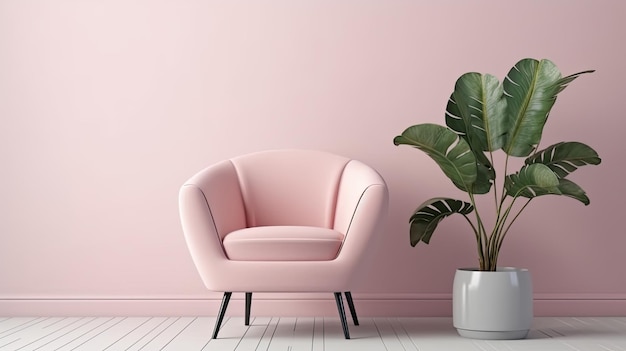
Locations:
column 211, row 206
column 361, row 210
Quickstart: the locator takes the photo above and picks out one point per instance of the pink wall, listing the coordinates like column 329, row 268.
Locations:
column 106, row 107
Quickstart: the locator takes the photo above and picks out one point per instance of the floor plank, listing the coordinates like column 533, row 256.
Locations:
column 364, row 337
column 194, row 337
column 37, row 338
column 81, row 333
column 165, row 336
column 388, row 335
column 107, row 336
column 254, row 334
column 318, row 334
column 303, row 334
column 9, row 324
column 283, row 335
column 231, row 333
column 95, row 329
column 148, row 337
column 403, row 335
column 436, row 334
column 11, row 329
column 136, row 334
column 268, row 334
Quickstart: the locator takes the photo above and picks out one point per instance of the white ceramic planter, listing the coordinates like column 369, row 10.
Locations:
column 493, row 305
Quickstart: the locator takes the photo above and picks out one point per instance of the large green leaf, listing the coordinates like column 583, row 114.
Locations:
column 475, row 112
column 530, row 88
column 565, row 157
column 571, row 189
column 531, row 181
column 451, row 152
column 428, row 215
column 538, row 179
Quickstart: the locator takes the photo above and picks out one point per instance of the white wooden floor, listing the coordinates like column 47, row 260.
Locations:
column 291, row 334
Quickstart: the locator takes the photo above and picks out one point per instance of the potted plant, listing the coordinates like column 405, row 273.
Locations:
column 484, row 116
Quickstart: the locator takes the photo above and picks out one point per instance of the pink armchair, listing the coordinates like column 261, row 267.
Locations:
column 283, row 221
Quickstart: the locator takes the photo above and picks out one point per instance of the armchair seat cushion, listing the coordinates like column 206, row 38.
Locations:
column 283, row 243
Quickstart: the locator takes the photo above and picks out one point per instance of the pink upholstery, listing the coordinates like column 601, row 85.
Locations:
column 232, row 214
column 283, row 188
column 283, row 243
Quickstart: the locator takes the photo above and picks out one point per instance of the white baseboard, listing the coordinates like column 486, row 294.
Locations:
column 367, row 305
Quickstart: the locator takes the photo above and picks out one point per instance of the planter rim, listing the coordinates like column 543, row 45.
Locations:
column 498, row 270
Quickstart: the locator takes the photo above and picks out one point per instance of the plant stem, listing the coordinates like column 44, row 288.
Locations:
column 497, row 229
column 497, row 234
column 482, row 238
column 495, row 188
column 506, row 230
column 481, row 257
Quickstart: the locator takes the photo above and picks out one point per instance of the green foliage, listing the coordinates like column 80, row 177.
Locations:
column 565, row 157
column 425, row 219
column 483, row 116
column 450, row 152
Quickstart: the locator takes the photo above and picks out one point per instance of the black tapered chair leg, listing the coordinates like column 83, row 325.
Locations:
column 342, row 314
column 248, row 305
column 222, row 312
column 351, row 306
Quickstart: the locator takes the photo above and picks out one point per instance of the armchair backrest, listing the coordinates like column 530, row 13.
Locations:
column 290, row 187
